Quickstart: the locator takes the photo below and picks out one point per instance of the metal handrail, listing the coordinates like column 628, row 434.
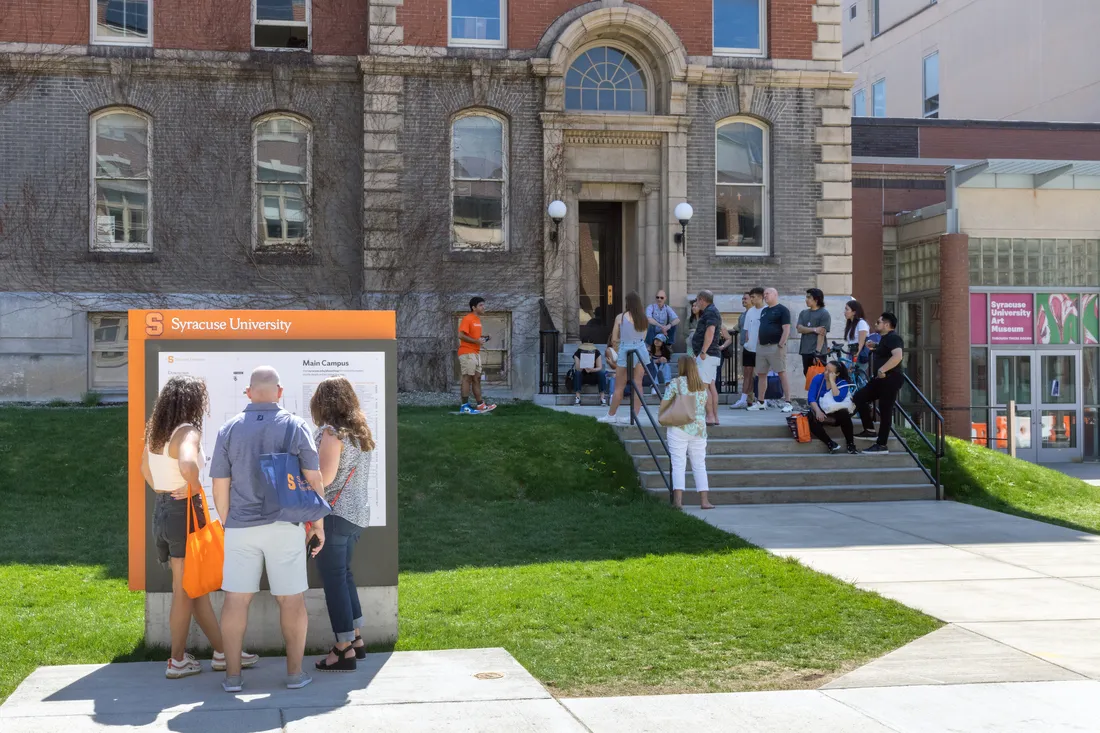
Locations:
column 630, row 408
column 548, row 357
column 939, row 448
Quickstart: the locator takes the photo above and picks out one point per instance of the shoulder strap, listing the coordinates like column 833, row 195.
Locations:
column 292, row 425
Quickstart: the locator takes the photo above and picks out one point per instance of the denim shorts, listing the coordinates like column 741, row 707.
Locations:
column 641, row 353
column 170, row 525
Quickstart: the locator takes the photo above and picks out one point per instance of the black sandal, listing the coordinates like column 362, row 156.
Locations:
column 343, row 664
column 360, row 651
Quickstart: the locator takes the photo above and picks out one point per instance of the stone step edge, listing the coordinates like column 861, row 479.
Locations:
column 779, row 471
column 766, row 489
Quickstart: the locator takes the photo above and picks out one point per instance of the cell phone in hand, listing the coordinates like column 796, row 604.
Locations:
column 314, row 543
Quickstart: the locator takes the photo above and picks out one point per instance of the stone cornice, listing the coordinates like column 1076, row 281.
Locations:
column 613, row 138
column 614, row 124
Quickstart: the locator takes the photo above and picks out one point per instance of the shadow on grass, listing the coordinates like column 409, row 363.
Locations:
column 977, row 475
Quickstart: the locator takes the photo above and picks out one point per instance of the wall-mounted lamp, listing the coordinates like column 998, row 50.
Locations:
column 683, row 214
column 557, row 211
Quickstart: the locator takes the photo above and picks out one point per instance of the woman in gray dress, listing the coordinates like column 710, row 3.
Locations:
column 344, row 444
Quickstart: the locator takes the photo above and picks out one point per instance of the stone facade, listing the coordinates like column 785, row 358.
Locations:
column 381, row 233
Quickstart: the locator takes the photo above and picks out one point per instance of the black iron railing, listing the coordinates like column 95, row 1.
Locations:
column 635, row 391
column 937, row 444
column 548, row 351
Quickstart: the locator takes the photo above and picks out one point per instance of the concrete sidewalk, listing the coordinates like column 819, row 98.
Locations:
column 1023, row 596
column 486, row 691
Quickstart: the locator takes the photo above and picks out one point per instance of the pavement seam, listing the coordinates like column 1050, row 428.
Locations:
column 1024, row 651
column 857, row 711
column 573, row 715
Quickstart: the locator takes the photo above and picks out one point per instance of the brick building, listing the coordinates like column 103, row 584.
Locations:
column 402, row 153
column 984, row 238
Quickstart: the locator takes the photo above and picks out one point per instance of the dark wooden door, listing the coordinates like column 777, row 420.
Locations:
column 600, row 270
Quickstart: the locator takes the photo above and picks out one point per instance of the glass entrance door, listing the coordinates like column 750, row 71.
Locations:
column 1058, row 392
column 1012, row 375
column 600, row 269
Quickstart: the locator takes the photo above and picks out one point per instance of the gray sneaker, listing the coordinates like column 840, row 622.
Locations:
column 232, row 684
column 297, row 681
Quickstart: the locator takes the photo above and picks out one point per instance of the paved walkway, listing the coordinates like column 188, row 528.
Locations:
column 1023, row 596
column 449, row 692
column 1087, row 472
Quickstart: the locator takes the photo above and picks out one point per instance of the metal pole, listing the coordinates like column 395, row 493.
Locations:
column 1012, row 428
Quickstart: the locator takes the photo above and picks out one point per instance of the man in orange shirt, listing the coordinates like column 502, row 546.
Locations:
column 469, row 357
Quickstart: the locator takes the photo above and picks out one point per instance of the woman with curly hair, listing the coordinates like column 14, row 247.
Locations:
column 171, row 463
column 344, row 444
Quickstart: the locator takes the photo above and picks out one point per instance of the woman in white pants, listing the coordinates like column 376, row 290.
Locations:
column 691, row 439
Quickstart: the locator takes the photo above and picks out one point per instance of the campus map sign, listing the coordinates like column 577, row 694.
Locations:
column 222, row 348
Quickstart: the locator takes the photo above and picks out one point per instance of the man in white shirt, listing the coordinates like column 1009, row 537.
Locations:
column 750, row 339
column 662, row 319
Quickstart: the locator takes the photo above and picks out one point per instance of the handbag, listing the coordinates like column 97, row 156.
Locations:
column 830, row 404
column 204, row 554
column 800, row 427
column 287, row 488
column 677, row 412
column 813, row 371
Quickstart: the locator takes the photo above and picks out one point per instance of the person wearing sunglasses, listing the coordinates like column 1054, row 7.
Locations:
column 662, row 319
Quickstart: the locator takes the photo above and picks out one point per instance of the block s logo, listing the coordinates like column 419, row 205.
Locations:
column 290, row 483
column 154, row 324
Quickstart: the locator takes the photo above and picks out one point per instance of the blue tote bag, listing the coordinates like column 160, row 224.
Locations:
column 288, row 489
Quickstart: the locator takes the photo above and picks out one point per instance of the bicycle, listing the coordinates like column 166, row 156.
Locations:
column 855, row 369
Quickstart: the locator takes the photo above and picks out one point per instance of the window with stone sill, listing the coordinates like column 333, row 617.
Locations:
column 479, row 182
column 478, row 23
column 121, row 192
column 739, row 27
column 282, row 178
column 108, row 351
column 495, row 361
column 741, row 187
column 122, row 22
column 281, row 24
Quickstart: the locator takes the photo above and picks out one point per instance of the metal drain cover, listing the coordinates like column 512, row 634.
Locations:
column 489, row 675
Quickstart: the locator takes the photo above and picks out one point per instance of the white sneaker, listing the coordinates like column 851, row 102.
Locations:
column 787, row 407
column 217, row 662
column 757, row 407
column 603, row 401
column 576, row 402
column 185, row 668
column 741, row 404
column 612, row 419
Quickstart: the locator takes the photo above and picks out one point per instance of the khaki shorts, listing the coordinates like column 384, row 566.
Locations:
column 708, row 368
column 770, row 359
column 280, row 547
column 469, row 364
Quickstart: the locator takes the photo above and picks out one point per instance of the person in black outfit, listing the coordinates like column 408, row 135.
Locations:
column 885, row 384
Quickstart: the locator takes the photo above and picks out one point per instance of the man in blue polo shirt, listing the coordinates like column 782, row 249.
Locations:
column 253, row 539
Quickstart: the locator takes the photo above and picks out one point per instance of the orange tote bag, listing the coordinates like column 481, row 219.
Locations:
column 202, row 564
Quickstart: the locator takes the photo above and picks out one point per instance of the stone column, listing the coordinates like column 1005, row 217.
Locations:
column 955, row 333
column 383, row 121
column 651, row 282
column 675, row 193
column 554, row 270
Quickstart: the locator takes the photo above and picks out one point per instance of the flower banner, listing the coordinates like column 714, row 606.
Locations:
column 1090, row 317
column 1057, row 318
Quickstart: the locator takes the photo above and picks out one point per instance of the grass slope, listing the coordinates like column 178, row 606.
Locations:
column 523, row 529
column 987, row 478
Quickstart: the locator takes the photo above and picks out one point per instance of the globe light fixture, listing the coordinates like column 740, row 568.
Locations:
column 557, row 211
column 683, row 214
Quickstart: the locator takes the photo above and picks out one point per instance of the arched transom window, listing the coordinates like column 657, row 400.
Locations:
column 741, row 190
column 479, row 182
column 605, row 79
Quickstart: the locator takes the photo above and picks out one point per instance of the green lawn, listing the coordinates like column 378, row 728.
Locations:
column 523, row 529
column 987, row 478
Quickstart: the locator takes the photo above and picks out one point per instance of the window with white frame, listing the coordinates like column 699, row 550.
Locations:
column 739, row 27
column 859, row 104
column 878, row 98
column 605, row 79
column 852, row 12
column 281, row 24
column 282, row 178
column 121, row 193
column 109, row 348
column 479, row 182
column 874, row 18
column 122, row 22
column 495, row 352
column 932, row 85
column 741, row 187
column 478, row 23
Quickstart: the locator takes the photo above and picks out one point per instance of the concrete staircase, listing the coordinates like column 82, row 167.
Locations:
column 762, row 464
